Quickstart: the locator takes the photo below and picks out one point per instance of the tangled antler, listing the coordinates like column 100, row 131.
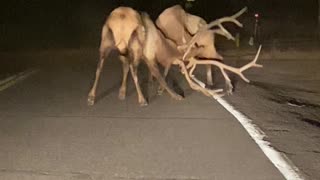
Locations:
column 222, row 31
column 223, row 67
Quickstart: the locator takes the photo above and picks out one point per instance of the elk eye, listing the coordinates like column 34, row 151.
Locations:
column 198, row 46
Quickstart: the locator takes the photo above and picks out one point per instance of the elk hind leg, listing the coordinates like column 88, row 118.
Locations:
column 134, row 72
column 209, row 75
column 155, row 72
column 125, row 71
column 165, row 74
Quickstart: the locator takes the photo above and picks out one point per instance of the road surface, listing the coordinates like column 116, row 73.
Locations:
column 47, row 131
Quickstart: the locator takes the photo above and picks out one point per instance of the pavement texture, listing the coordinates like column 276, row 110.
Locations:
column 47, row 131
column 283, row 99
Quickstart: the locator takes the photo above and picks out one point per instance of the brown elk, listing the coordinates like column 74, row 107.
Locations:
column 180, row 27
column 158, row 48
column 165, row 51
column 192, row 45
column 124, row 31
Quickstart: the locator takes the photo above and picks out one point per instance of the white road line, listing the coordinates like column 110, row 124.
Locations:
column 12, row 80
column 280, row 161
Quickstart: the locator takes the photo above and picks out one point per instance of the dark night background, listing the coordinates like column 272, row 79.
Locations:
column 33, row 24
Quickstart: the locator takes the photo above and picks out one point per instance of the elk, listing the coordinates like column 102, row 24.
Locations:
column 124, row 31
column 163, row 50
column 192, row 47
column 159, row 49
column 181, row 27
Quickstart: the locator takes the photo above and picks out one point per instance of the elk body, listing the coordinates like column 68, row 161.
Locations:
column 124, row 31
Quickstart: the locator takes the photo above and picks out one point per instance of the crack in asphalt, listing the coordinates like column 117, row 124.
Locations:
column 92, row 176
column 157, row 178
column 49, row 173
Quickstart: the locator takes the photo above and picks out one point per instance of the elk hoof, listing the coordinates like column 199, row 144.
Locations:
column 122, row 95
column 209, row 86
column 91, row 100
column 143, row 103
column 229, row 92
column 209, row 83
column 160, row 91
column 229, row 88
column 178, row 97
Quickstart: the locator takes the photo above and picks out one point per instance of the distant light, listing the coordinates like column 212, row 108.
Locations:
column 256, row 15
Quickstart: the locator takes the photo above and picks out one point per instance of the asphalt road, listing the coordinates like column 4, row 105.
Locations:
column 47, row 131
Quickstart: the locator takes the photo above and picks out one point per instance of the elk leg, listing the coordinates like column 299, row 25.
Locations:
column 209, row 75
column 92, row 93
column 125, row 70
column 155, row 72
column 229, row 86
column 165, row 74
column 134, row 72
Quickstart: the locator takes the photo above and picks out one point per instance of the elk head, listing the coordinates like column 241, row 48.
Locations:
column 201, row 44
column 202, row 47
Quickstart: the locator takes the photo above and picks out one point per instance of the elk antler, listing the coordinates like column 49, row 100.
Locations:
column 198, row 86
column 232, row 18
column 222, row 31
column 223, row 67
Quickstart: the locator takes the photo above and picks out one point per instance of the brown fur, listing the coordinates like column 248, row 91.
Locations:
column 158, row 47
column 180, row 26
column 124, row 31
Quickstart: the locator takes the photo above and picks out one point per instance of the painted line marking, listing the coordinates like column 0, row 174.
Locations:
column 280, row 160
column 12, row 80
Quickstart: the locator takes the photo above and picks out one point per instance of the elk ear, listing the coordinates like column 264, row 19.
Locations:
column 193, row 23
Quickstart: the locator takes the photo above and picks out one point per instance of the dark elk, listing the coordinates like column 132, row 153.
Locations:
column 124, row 31
column 195, row 37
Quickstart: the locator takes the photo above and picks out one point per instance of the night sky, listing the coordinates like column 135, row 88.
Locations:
column 77, row 23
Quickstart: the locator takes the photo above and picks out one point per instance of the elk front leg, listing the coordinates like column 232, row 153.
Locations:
column 125, row 71
column 92, row 93
column 165, row 74
column 134, row 72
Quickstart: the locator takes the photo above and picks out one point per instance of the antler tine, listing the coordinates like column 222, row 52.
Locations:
column 197, row 85
column 225, row 33
column 243, row 10
column 238, row 71
column 190, row 44
column 214, row 23
column 229, row 18
column 252, row 63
